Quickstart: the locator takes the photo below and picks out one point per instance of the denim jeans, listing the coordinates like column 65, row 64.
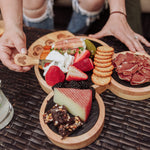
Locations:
column 79, row 23
column 45, row 21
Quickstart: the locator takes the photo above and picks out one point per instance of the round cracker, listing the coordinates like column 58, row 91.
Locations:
column 103, row 60
column 100, row 80
column 102, row 74
column 102, row 57
column 106, row 69
column 103, row 65
column 104, row 54
column 105, row 49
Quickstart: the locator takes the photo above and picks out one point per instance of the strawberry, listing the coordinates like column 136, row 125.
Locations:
column 84, row 64
column 79, row 55
column 75, row 74
column 54, row 75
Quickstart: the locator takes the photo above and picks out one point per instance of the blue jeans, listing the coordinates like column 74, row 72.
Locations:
column 79, row 23
column 47, row 23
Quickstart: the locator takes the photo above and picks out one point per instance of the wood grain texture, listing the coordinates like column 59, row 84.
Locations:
column 76, row 142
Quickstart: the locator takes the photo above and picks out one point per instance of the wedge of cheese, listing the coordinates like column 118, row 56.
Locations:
column 77, row 101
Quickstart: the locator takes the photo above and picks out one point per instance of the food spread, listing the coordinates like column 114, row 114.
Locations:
column 71, row 59
column 69, row 65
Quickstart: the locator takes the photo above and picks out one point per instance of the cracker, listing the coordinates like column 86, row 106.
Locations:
column 104, row 54
column 100, row 80
column 102, row 74
column 102, row 57
column 103, row 60
column 105, row 69
column 105, row 49
column 103, row 65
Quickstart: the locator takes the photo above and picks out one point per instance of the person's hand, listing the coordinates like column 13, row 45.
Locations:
column 13, row 41
column 118, row 27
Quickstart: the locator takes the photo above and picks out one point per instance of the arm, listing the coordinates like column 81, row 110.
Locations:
column 118, row 26
column 12, row 12
column 13, row 40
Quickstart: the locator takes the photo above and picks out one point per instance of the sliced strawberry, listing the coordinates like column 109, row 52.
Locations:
column 54, row 75
column 79, row 55
column 84, row 64
column 75, row 74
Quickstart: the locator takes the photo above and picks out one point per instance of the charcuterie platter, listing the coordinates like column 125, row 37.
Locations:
column 117, row 86
column 92, row 127
column 99, row 68
column 85, row 135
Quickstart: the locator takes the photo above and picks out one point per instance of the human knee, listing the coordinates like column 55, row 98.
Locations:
column 34, row 10
column 93, row 5
column 40, row 17
column 34, row 4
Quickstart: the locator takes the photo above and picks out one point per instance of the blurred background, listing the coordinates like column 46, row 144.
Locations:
column 63, row 8
column 63, row 12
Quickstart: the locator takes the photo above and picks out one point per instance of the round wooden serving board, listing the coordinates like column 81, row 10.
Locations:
column 55, row 36
column 75, row 142
column 126, row 92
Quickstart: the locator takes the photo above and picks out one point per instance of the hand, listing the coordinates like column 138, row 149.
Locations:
column 118, row 27
column 13, row 41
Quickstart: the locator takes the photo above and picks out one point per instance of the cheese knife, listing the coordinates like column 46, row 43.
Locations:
column 25, row 60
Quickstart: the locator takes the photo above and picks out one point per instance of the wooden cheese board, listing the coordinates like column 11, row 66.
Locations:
column 80, row 140
column 55, row 36
column 123, row 91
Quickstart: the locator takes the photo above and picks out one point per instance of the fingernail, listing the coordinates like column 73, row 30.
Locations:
column 23, row 51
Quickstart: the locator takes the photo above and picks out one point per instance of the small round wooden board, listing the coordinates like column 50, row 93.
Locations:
column 129, row 93
column 55, row 36
column 75, row 142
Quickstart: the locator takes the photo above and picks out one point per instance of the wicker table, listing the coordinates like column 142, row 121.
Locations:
column 127, row 123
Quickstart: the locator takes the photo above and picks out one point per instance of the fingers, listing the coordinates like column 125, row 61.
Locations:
column 8, row 63
column 100, row 34
column 20, row 44
column 126, row 40
column 143, row 40
column 131, row 40
column 23, row 50
column 27, row 68
column 135, row 40
column 6, row 56
column 12, row 66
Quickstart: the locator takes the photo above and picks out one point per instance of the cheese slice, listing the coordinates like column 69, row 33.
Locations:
column 77, row 101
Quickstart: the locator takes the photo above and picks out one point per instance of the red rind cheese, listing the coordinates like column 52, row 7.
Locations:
column 77, row 101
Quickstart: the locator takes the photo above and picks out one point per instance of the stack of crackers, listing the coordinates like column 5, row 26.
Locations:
column 103, row 65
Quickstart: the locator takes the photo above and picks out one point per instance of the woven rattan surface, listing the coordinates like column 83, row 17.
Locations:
column 127, row 123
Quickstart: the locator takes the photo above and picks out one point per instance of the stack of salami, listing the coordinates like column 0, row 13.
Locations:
column 133, row 68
